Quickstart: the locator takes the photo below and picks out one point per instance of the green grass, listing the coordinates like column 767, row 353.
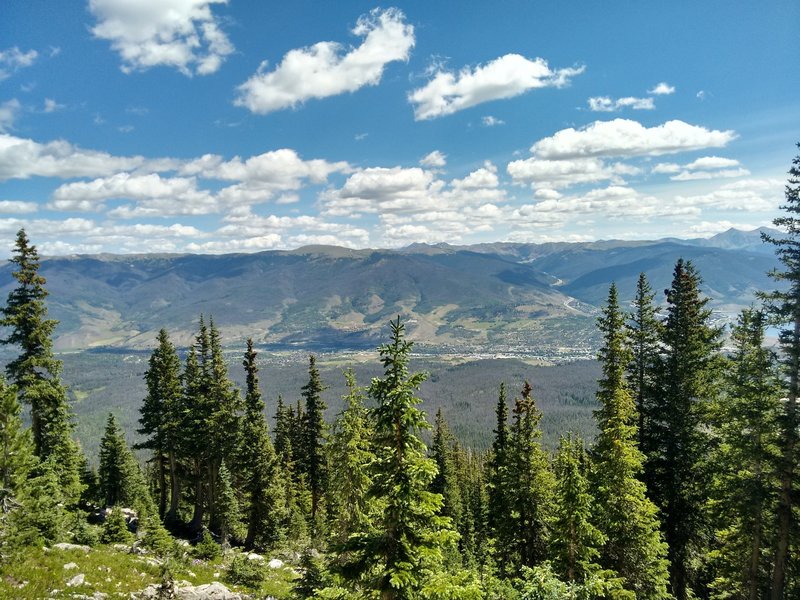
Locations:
column 37, row 573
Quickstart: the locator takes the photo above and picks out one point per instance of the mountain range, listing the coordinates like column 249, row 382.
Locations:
column 539, row 299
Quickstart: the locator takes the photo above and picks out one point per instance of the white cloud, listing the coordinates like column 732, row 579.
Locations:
column 324, row 69
column 709, row 228
column 8, row 114
column 434, row 159
column 753, row 195
column 712, row 162
column 14, row 59
column 556, row 174
column 51, row 105
column 666, row 168
column 662, row 89
column 22, row 158
column 17, row 207
column 623, row 137
column 177, row 195
column 504, row 77
column 490, row 121
column 183, row 34
column 717, row 174
column 606, row 104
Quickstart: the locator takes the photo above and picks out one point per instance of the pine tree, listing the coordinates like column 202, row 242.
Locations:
column 194, row 430
column 115, row 529
column 223, row 425
column 313, row 433
column 784, row 305
column 499, row 490
column 227, row 508
column 530, row 484
column 643, row 333
column 283, row 426
column 41, row 516
column 743, row 496
column 36, row 372
column 686, row 378
column 627, row 518
column 575, row 540
column 161, row 419
column 446, row 481
column 395, row 554
column 257, row 460
column 350, row 458
column 121, row 481
column 16, row 447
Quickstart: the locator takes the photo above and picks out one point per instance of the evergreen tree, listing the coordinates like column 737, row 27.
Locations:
column 350, row 458
column 313, row 433
column 575, row 540
column 499, row 491
column 396, row 552
column 743, row 496
column 16, row 447
column 36, row 372
column 784, row 305
column 686, row 377
column 257, row 460
column 283, row 435
column 115, row 529
column 223, row 425
column 643, row 333
column 627, row 518
column 161, row 419
column 227, row 508
column 41, row 516
column 530, row 484
column 194, row 431
column 446, row 481
column 120, row 480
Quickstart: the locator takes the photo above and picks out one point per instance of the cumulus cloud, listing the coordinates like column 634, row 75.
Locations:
column 556, row 174
column 706, row 167
column 8, row 114
column 22, row 158
column 752, row 195
column 434, row 159
column 326, row 69
column 662, row 89
column 14, row 59
column 183, row 34
column 709, row 228
column 17, row 207
column 623, row 137
column 606, row 104
column 504, row 77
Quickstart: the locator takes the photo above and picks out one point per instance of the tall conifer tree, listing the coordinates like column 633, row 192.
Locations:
column 161, row 420
column 785, row 308
column 16, row 447
column 743, row 497
column 531, row 483
column 687, row 378
column 627, row 518
column 36, row 372
column 313, row 435
column 402, row 545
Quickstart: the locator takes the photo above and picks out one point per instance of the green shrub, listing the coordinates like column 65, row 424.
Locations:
column 246, row 572
column 207, row 548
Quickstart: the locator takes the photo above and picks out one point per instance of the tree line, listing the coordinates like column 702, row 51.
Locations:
column 687, row 491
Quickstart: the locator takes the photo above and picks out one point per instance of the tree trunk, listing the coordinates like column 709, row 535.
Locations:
column 175, row 488
column 162, row 486
column 196, row 524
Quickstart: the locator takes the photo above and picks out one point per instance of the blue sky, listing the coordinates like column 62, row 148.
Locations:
column 212, row 126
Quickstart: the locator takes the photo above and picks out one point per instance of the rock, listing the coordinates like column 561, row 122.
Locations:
column 254, row 556
column 275, row 563
column 77, row 580
column 209, row 591
column 121, row 547
column 70, row 566
column 66, row 546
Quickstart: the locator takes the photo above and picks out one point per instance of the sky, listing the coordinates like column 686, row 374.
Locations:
column 212, row 126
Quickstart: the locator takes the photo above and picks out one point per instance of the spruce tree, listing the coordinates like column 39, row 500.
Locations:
column 626, row 517
column 120, row 480
column 784, row 306
column 686, row 379
column 257, row 460
column 313, row 434
column 395, row 554
column 575, row 540
column 194, row 431
column 743, row 497
column 227, row 506
column 16, row 447
column 446, row 481
column 499, row 490
column 530, row 484
column 36, row 372
column 161, row 419
column 643, row 333
column 350, row 458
